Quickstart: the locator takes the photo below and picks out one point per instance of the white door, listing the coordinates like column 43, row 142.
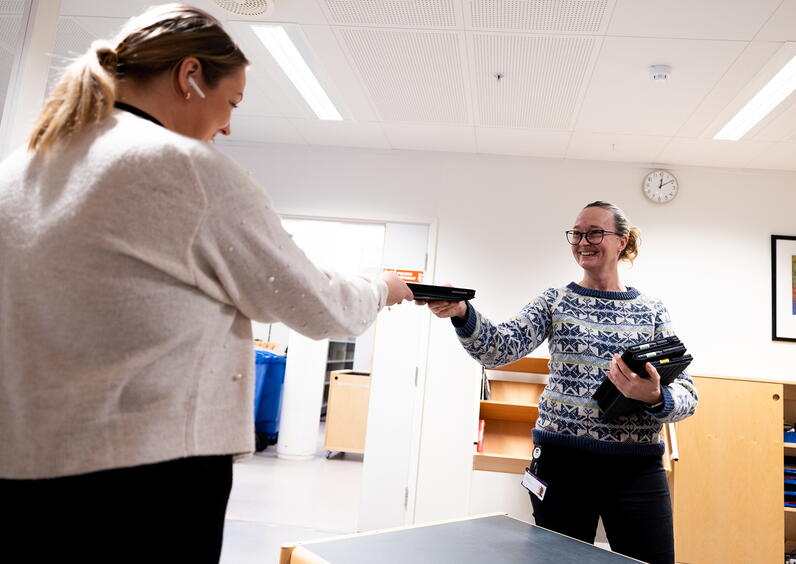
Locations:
column 396, row 391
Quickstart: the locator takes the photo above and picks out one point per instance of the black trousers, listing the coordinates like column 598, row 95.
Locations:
column 630, row 493
column 166, row 512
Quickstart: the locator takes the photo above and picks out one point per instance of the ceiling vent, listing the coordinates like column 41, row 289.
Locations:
column 247, row 7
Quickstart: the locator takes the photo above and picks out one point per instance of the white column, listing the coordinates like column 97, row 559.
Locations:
column 302, row 397
column 28, row 82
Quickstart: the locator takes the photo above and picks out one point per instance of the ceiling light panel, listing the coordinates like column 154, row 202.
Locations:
column 408, row 13
column 411, row 75
column 544, row 16
column 542, row 79
column 290, row 60
column 769, row 97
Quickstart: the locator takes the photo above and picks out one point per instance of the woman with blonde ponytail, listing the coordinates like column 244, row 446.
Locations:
column 85, row 95
column 133, row 257
column 591, row 468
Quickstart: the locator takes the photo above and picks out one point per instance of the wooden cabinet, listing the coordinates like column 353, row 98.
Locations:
column 510, row 415
column 728, row 492
column 347, row 411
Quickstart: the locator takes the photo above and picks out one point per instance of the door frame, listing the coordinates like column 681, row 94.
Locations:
column 420, row 389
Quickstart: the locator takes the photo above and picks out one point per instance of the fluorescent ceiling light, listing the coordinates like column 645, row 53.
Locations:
column 769, row 97
column 282, row 49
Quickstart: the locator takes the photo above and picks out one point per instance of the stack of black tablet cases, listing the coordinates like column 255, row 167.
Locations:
column 667, row 356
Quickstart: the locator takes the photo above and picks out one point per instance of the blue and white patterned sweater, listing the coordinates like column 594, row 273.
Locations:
column 585, row 328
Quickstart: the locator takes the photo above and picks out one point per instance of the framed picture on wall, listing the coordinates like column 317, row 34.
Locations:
column 783, row 288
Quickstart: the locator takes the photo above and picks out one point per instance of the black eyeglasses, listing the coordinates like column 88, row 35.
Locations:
column 593, row 236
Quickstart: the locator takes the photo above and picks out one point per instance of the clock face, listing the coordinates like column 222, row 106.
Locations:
column 660, row 186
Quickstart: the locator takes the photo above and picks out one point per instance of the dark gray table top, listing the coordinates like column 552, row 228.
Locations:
column 495, row 539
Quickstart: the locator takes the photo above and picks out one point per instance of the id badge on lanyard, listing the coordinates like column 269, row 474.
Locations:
column 531, row 481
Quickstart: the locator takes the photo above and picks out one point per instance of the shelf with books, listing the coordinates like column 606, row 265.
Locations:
column 509, row 415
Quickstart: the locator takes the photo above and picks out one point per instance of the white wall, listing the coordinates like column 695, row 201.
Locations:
column 501, row 223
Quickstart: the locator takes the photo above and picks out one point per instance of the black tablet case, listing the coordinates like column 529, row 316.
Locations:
column 439, row 293
column 668, row 357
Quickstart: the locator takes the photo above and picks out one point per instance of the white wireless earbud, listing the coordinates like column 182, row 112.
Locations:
column 195, row 86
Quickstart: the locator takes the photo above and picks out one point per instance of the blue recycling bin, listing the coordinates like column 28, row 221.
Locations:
column 269, row 377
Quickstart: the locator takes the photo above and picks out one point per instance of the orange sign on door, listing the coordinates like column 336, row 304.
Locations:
column 406, row 275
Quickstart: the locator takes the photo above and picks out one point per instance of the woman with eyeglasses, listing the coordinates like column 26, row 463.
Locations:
column 591, row 468
column 133, row 257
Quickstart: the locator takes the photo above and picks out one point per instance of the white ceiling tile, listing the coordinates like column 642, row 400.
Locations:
column 710, row 152
column 299, row 11
column 260, row 129
column 12, row 7
column 782, row 25
column 71, row 41
column 602, row 146
column 437, row 14
column 257, row 101
column 778, row 156
column 344, row 87
column 525, row 142
column 9, row 30
column 342, row 133
column 689, row 19
column 306, row 11
column 413, row 76
column 421, row 137
column 622, row 98
column 743, row 69
column 541, row 16
column 97, row 27
column 543, row 78
column 126, row 9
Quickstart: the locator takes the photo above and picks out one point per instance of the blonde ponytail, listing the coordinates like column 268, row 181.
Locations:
column 83, row 96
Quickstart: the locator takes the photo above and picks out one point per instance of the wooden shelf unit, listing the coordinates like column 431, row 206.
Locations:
column 729, row 478
column 510, row 415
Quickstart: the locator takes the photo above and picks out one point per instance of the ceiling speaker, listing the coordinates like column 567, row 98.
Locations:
column 247, row 7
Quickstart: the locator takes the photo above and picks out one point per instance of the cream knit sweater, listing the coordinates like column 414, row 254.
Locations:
column 131, row 263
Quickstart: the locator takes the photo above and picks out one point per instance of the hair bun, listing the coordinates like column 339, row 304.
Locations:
column 106, row 55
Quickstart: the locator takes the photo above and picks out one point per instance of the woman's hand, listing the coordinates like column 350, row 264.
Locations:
column 397, row 290
column 445, row 309
column 633, row 386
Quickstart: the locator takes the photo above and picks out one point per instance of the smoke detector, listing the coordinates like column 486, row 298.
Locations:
column 247, row 7
column 660, row 72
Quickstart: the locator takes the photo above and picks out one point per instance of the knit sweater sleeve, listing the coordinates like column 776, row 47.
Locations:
column 242, row 256
column 499, row 344
column 680, row 397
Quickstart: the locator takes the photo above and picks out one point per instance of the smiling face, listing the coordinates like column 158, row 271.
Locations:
column 601, row 257
column 214, row 111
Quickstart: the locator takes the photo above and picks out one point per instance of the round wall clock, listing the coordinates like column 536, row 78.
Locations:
column 660, row 186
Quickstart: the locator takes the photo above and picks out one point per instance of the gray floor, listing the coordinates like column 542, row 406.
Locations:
column 275, row 501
